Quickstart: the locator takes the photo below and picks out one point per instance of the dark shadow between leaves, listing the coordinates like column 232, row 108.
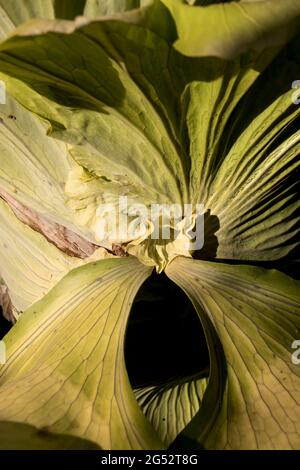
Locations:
column 210, row 246
column 201, row 425
column 164, row 338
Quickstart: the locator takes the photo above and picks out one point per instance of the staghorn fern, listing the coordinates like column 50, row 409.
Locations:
column 167, row 103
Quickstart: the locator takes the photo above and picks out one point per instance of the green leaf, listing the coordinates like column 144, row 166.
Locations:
column 16, row 12
column 201, row 132
column 254, row 169
column 116, row 136
column 243, row 143
column 68, row 9
column 209, row 2
column 154, row 103
column 259, row 217
column 65, row 366
column 115, row 129
column 170, row 407
column 44, row 173
column 17, row 436
column 229, row 29
column 251, row 317
column 29, row 264
column 33, row 168
column 94, row 8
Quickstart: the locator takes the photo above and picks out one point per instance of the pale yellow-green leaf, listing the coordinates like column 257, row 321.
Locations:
column 244, row 144
column 229, row 29
column 150, row 127
column 259, row 212
column 15, row 12
column 94, row 8
column 33, row 167
column 65, row 364
column 116, row 128
column 170, row 407
column 252, row 399
column 29, row 264
column 18, row 436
